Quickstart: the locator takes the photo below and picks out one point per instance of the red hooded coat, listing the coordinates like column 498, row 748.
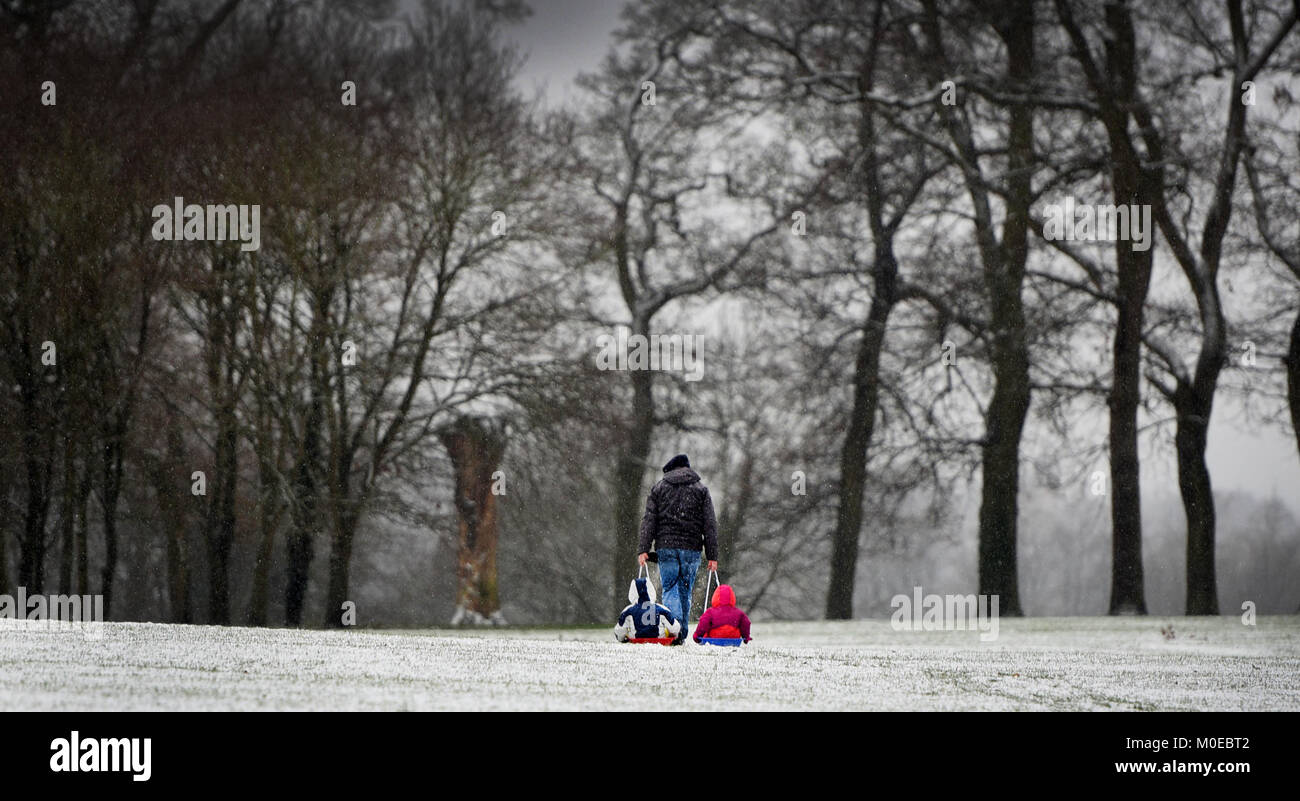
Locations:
column 723, row 619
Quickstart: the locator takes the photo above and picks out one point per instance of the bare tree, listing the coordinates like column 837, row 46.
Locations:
column 643, row 153
column 1191, row 389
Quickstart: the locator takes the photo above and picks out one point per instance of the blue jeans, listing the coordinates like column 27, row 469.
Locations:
column 677, row 569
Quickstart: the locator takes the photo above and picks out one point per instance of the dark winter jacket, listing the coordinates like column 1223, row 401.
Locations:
column 679, row 514
column 643, row 617
column 723, row 619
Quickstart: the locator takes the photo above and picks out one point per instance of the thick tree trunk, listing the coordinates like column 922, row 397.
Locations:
column 1193, row 413
column 1130, row 185
column 1127, row 594
column 1193, row 402
column 853, row 454
column 628, row 500
column 1004, row 272
column 346, row 512
column 999, row 505
column 340, row 564
column 476, row 449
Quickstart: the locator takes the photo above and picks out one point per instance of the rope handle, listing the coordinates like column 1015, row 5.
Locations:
column 643, row 569
column 713, row 575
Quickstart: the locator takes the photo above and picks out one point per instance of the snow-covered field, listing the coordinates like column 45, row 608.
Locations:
column 1036, row 663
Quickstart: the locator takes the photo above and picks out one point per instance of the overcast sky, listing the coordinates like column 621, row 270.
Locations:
column 563, row 38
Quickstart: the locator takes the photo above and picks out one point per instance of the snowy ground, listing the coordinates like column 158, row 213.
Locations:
column 1037, row 663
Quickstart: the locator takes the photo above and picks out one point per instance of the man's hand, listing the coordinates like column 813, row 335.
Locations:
column 641, row 559
column 713, row 565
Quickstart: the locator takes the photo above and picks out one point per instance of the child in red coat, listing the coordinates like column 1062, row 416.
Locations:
column 723, row 619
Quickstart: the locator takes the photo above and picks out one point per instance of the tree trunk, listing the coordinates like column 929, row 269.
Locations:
column 178, row 575
column 1004, row 272
column 1193, row 413
column 305, row 512
column 31, row 565
column 171, row 488
column 83, row 542
column 299, row 542
column 110, row 562
column 112, row 491
column 4, row 536
column 1130, row 185
column 346, row 513
column 339, row 567
column 4, row 555
column 1127, row 594
column 866, row 372
column 732, row 522
column 268, row 520
column 476, row 449
column 221, row 340
column 306, row 492
column 628, row 501
column 1293, row 379
column 853, row 455
column 67, row 530
column 221, row 527
column 999, row 508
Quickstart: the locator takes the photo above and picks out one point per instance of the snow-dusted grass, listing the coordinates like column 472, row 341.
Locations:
column 1036, row 663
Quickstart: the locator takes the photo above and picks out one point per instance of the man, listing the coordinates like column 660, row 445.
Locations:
column 678, row 521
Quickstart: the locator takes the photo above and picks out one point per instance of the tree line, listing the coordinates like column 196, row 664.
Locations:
column 847, row 202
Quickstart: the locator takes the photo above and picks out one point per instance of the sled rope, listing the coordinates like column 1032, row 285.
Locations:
column 713, row 574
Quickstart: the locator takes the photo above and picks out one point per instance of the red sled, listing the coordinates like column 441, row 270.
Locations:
column 644, row 640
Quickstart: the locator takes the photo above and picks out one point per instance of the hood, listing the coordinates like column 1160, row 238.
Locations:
column 682, row 475
column 641, row 591
column 724, row 596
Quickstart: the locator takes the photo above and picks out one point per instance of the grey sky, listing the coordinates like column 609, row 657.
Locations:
column 560, row 39
column 563, row 38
